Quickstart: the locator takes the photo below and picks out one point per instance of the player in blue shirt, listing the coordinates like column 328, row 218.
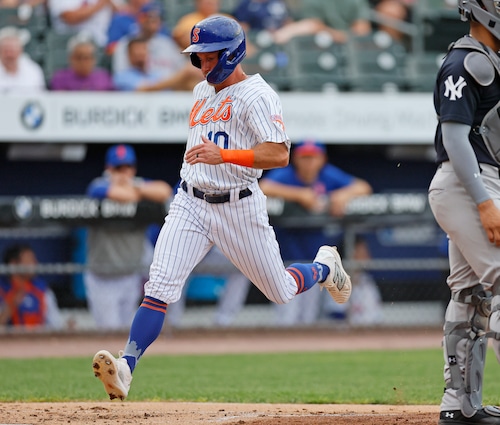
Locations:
column 309, row 185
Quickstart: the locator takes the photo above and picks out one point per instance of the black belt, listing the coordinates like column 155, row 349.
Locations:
column 215, row 198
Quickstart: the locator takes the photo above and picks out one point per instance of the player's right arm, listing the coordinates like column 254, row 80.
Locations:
column 264, row 156
column 457, row 114
column 270, row 155
column 463, row 159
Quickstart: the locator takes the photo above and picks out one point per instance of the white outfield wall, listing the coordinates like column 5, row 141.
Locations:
column 108, row 117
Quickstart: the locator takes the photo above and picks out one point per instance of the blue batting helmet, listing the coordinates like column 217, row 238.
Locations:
column 218, row 34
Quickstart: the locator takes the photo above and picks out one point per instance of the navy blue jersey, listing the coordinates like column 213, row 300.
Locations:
column 459, row 98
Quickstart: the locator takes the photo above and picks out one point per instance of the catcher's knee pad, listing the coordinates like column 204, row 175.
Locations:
column 465, row 344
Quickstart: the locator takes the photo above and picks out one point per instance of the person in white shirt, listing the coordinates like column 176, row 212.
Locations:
column 18, row 72
column 164, row 57
column 90, row 16
column 164, row 54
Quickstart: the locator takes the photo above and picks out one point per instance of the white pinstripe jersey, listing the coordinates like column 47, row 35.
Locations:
column 238, row 117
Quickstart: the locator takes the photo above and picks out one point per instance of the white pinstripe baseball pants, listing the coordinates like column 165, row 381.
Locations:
column 239, row 228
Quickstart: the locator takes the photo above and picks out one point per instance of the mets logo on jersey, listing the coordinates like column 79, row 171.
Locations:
column 454, row 90
column 278, row 120
column 201, row 115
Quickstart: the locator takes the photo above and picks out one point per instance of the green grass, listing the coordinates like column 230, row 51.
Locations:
column 379, row 377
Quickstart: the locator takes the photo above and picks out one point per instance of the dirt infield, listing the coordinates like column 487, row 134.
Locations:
column 214, row 413
column 202, row 341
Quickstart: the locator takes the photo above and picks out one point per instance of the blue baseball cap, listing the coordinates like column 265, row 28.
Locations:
column 309, row 148
column 120, row 155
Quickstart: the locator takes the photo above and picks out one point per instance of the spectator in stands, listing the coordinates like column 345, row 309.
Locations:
column 125, row 23
column 25, row 299
column 164, row 56
column 76, row 16
column 118, row 252
column 339, row 18
column 18, row 72
column 364, row 307
column 256, row 15
column 392, row 13
column 137, row 74
column 82, row 73
column 181, row 33
column 311, row 186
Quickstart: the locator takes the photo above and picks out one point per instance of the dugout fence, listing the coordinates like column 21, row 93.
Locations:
column 408, row 257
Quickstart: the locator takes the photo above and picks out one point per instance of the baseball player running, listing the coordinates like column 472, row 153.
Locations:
column 465, row 198
column 235, row 131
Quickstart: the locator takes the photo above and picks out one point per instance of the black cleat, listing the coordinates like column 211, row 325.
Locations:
column 489, row 415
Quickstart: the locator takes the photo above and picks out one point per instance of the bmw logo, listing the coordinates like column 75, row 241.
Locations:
column 32, row 115
column 23, row 207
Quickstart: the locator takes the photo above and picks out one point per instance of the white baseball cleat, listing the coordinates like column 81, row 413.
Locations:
column 114, row 373
column 338, row 282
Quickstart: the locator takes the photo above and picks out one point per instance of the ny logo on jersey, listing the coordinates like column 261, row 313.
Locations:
column 200, row 116
column 454, row 90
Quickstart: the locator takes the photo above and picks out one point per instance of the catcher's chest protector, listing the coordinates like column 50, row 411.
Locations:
column 483, row 65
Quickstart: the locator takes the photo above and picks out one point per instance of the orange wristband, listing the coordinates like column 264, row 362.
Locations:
column 243, row 157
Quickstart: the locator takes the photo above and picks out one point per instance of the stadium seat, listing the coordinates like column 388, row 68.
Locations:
column 269, row 60
column 33, row 19
column 422, row 70
column 318, row 64
column 441, row 24
column 174, row 9
column 441, row 29
column 57, row 56
column 35, row 22
column 379, row 63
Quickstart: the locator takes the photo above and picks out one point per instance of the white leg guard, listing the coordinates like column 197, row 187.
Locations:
column 466, row 368
column 465, row 344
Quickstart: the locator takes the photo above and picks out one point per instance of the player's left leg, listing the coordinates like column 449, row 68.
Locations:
column 473, row 268
column 181, row 245
column 465, row 343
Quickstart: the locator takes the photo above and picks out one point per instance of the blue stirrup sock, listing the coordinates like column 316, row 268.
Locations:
column 307, row 275
column 146, row 327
